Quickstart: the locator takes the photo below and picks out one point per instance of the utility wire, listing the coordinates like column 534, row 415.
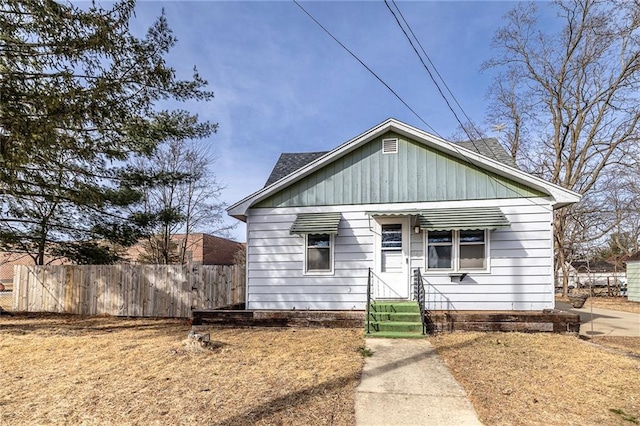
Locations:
column 366, row 67
column 471, row 139
column 462, row 126
column 436, row 70
column 404, row 102
column 429, row 71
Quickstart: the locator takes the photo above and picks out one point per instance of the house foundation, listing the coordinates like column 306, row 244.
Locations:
column 549, row 320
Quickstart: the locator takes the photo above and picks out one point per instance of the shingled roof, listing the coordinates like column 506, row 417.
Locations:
column 491, row 148
column 290, row 162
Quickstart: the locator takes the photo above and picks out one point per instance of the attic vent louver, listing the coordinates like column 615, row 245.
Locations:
column 389, row 146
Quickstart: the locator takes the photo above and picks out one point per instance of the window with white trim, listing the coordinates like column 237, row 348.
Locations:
column 318, row 253
column 457, row 250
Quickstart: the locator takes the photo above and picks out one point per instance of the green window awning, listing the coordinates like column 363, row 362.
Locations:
column 316, row 223
column 463, row 219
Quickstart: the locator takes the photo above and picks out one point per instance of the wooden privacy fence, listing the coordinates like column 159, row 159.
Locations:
column 127, row 290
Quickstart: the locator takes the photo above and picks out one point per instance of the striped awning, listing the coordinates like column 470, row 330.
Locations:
column 463, row 219
column 316, row 223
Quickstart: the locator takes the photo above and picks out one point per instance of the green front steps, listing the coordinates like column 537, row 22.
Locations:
column 393, row 319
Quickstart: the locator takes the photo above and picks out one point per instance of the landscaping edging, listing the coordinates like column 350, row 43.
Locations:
column 549, row 320
column 249, row 318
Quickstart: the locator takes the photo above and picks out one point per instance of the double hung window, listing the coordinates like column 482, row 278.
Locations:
column 457, row 250
column 318, row 253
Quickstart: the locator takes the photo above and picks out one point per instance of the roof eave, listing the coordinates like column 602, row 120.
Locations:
column 561, row 196
column 240, row 217
column 241, row 207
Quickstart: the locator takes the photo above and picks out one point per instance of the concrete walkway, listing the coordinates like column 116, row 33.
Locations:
column 604, row 322
column 406, row 383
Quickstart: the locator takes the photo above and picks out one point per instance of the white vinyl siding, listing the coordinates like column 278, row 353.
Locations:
column 275, row 278
column 520, row 275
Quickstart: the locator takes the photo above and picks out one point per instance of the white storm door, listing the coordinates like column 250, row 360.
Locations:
column 392, row 256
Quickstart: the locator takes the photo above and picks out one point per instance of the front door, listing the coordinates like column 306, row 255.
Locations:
column 392, row 259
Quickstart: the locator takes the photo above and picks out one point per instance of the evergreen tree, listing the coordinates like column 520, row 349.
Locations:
column 79, row 101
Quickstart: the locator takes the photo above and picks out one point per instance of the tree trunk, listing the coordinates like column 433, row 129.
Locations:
column 560, row 263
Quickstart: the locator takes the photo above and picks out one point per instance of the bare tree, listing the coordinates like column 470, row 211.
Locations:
column 183, row 199
column 576, row 92
column 467, row 131
column 509, row 111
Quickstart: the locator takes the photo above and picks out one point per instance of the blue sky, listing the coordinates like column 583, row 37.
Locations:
column 283, row 85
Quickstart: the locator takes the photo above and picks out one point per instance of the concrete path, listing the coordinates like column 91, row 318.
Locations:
column 604, row 322
column 406, row 383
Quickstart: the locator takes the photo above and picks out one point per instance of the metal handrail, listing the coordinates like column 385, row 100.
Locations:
column 376, row 288
column 420, row 296
column 369, row 282
column 420, row 293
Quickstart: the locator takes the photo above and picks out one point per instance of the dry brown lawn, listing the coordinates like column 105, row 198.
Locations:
column 543, row 379
column 629, row 345
column 604, row 302
column 72, row 370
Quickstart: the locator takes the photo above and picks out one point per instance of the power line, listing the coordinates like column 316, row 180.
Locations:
column 366, row 67
column 455, row 147
column 471, row 139
column 429, row 71
column 435, row 69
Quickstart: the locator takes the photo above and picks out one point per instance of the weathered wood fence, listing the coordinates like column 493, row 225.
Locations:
column 127, row 290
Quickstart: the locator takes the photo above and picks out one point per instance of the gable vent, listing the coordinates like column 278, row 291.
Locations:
column 389, row 146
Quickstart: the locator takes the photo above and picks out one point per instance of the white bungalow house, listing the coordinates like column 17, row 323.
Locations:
column 392, row 201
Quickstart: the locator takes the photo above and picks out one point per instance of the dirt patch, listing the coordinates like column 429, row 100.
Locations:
column 542, row 379
column 605, row 302
column 67, row 369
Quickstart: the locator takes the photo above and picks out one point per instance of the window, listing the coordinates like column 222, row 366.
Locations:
column 472, row 249
column 319, row 253
column 457, row 250
column 440, row 250
column 391, row 250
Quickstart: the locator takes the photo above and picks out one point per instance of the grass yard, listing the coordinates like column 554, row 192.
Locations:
column 73, row 370
column 546, row 379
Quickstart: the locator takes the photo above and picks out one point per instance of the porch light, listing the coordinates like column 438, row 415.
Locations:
column 416, row 229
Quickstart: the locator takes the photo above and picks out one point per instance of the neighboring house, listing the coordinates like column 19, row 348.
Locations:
column 598, row 274
column 633, row 278
column 392, row 200
column 200, row 248
column 9, row 260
